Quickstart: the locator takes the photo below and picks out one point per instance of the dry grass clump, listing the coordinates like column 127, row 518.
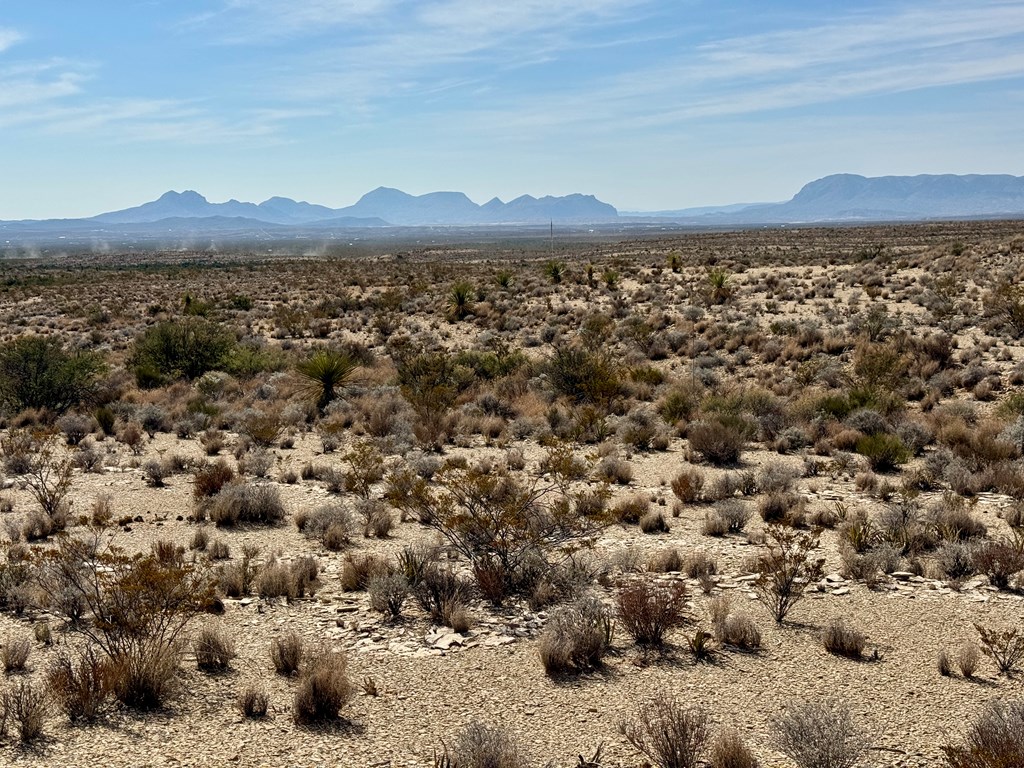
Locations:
column 576, row 637
column 665, row 561
column 14, row 653
column 213, row 649
column 24, row 706
column 253, row 702
column 729, row 751
column 323, row 687
column 287, row 653
column 358, row 570
column 842, row 640
column 258, row 503
column 82, row 683
column 733, row 628
column 968, row 658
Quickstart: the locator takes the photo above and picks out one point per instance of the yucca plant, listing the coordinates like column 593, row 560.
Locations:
column 554, row 270
column 460, row 301
column 326, row 372
column 719, row 289
column 504, row 279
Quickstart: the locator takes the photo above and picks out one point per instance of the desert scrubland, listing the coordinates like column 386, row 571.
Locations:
column 709, row 498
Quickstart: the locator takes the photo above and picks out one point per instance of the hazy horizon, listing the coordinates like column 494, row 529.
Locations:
column 646, row 105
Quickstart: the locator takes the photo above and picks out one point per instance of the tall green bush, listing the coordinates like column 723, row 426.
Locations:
column 38, row 372
column 180, row 349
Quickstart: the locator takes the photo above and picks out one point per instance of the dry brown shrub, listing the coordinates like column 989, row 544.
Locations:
column 253, row 702
column 81, row 682
column 841, row 640
column 323, row 688
column 14, row 653
column 214, row 650
column 729, row 751
column 286, row 653
column 649, row 610
column 994, row 740
column 668, row 733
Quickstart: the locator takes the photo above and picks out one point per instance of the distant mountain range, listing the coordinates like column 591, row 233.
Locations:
column 846, row 197
column 379, row 208
column 838, row 198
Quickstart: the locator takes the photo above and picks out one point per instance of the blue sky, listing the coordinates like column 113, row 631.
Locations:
column 648, row 105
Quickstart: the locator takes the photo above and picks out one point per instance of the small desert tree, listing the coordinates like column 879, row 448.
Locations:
column 501, row 524
column 787, row 568
column 135, row 609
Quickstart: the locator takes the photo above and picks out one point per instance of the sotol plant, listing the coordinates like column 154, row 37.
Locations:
column 324, row 373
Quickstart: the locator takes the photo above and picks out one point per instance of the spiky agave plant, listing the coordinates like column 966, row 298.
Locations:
column 460, row 301
column 326, row 372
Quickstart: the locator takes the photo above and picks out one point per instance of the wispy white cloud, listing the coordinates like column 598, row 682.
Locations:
column 382, row 49
column 36, row 82
column 903, row 50
column 8, row 37
column 259, row 21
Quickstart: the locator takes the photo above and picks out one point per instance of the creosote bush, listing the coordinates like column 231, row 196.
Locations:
column 787, row 569
column 139, row 608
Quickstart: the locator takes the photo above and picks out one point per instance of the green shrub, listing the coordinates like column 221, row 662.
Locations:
column 184, row 348
column 37, row 372
column 884, row 452
column 583, row 376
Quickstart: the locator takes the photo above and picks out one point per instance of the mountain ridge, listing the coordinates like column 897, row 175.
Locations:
column 383, row 204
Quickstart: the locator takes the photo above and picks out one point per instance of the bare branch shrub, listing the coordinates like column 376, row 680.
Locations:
column 669, row 734
column 820, row 735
